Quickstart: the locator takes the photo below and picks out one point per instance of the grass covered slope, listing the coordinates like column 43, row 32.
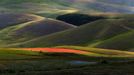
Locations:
column 11, row 19
column 90, row 34
column 37, row 27
column 44, row 32
column 67, row 52
column 98, row 52
column 14, row 54
column 122, row 41
column 43, row 27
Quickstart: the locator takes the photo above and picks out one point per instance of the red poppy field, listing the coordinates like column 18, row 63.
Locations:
column 56, row 50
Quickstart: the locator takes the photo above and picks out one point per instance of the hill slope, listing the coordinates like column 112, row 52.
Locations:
column 37, row 27
column 122, row 41
column 13, row 19
column 90, row 34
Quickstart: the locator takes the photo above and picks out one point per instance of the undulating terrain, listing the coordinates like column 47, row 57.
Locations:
column 66, row 37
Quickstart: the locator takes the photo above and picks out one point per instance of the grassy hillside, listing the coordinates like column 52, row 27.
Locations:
column 11, row 19
column 14, row 54
column 90, row 53
column 37, row 32
column 90, row 34
column 122, row 41
column 37, row 27
column 102, row 52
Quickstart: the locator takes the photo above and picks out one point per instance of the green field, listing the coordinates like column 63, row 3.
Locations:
column 14, row 61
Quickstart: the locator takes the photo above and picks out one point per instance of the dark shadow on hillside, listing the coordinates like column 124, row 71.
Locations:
column 78, row 19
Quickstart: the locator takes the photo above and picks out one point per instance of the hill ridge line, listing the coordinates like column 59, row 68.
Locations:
column 36, row 19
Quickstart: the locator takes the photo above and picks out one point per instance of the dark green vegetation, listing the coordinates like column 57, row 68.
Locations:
column 16, row 54
column 62, row 67
column 78, row 19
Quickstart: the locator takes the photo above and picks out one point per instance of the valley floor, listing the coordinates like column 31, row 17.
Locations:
column 63, row 67
column 66, row 61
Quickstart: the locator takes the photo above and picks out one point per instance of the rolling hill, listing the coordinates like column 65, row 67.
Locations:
column 92, row 35
column 89, row 53
column 17, row 54
column 13, row 19
column 36, row 27
column 99, row 51
column 122, row 41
